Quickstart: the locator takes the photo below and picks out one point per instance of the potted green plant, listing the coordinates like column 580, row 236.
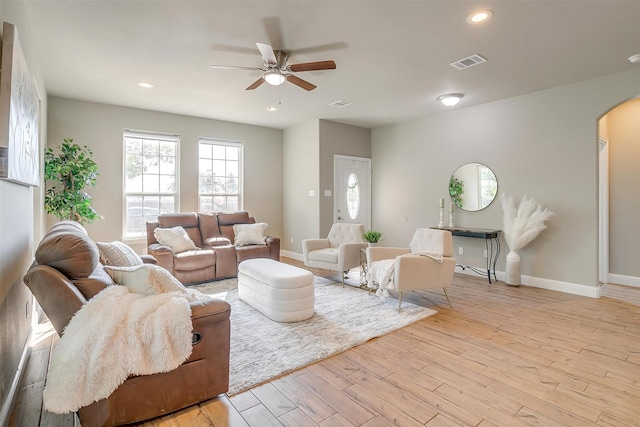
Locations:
column 70, row 171
column 371, row 236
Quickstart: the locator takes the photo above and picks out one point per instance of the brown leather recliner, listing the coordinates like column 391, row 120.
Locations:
column 67, row 273
column 216, row 257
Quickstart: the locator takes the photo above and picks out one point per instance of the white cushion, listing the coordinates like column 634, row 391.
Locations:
column 282, row 292
column 174, row 237
column 432, row 241
column 276, row 274
column 146, row 279
column 118, row 254
column 325, row 255
column 249, row 234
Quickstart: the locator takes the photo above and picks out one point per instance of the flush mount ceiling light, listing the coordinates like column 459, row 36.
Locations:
column 450, row 99
column 275, row 77
column 634, row 59
column 145, row 85
column 479, row 16
column 271, row 108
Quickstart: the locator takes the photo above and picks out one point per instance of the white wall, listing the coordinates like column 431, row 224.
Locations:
column 301, row 150
column 623, row 134
column 543, row 145
column 100, row 127
column 20, row 219
column 337, row 138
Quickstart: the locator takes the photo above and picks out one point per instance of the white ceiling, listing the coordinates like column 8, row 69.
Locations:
column 392, row 56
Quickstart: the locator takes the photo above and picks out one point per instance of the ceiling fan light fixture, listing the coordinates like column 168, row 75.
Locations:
column 450, row 99
column 275, row 78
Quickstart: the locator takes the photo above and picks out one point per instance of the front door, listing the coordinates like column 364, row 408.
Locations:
column 352, row 190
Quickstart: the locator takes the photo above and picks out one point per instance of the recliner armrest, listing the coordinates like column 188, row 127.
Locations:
column 211, row 327
column 148, row 259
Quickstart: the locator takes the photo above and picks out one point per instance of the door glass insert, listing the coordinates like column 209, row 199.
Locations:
column 353, row 195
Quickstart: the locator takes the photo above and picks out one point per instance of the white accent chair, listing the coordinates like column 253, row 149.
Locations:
column 413, row 269
column 340, row 251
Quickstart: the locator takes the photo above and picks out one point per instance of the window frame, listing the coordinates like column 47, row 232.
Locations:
column 155, row 136
column 240, row 192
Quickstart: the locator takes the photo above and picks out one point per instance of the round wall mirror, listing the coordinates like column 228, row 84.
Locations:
column 473, row 187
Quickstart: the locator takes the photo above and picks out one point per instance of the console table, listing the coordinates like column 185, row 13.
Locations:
column 491, row 239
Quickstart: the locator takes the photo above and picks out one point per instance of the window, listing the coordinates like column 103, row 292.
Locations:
column 488, row 186
column 220, row 172
column 150, row 179
column 353, row 196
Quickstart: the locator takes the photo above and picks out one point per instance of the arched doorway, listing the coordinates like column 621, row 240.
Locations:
column 619, row 198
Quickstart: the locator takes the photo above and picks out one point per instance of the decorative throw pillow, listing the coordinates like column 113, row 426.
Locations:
column 146, row 279
column 249, row 234
column 118, row 254
column 175, row 237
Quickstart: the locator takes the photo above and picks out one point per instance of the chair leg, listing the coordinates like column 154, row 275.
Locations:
column 399, row 301
column 447, row 295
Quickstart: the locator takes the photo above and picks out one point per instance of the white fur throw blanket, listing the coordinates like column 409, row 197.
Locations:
column 381, row 273
column 115, row 335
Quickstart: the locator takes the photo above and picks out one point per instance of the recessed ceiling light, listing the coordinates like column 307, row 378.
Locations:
column 479, row 16
column 634, row 59
column 450, row 99
column 271, row 108
column 145, row 85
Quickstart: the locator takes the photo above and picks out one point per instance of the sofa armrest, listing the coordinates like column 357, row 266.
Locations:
column 211, row 328
column 148, row 259
column 349, row 254
column 274, row 247
column 163, row 255
column 309, row 245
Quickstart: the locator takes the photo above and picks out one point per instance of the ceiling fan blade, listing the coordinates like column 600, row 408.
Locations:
column 256, row 84
column 313, row 66
column 268, row 55
column 300, row 83
column 235, row 67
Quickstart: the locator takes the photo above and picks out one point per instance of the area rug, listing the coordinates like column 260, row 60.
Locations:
column 262, row 349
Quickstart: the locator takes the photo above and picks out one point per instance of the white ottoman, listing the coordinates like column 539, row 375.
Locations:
column 281, row 292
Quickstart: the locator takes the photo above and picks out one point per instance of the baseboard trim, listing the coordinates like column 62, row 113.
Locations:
column 550, row 284
column 7, row 406
column 293, row 255
column 621, row 279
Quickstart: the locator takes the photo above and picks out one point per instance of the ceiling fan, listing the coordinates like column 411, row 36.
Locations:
column 276, row 71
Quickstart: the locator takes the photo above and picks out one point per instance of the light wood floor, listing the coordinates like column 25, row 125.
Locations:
column 502, row 356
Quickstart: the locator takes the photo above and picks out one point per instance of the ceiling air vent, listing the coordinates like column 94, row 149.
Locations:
column 340, row 104
column 469, row 61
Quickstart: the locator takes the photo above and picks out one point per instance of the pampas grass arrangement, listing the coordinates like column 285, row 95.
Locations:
column 521, row 225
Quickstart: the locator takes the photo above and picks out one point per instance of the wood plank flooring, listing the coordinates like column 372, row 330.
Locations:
column 502, row 356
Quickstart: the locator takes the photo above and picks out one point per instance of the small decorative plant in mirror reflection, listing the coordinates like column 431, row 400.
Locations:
column 456, row 190
column 371, row 236
column 70, row 170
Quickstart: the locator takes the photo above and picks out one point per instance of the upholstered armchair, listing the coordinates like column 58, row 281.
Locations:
column 427, row 263
column 340, row 251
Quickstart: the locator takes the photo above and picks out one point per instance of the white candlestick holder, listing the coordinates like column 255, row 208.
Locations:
column 441, row 223
column 451, row 220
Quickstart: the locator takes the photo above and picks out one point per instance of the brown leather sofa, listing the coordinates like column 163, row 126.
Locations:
column 212, row 233
column 67, row 273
